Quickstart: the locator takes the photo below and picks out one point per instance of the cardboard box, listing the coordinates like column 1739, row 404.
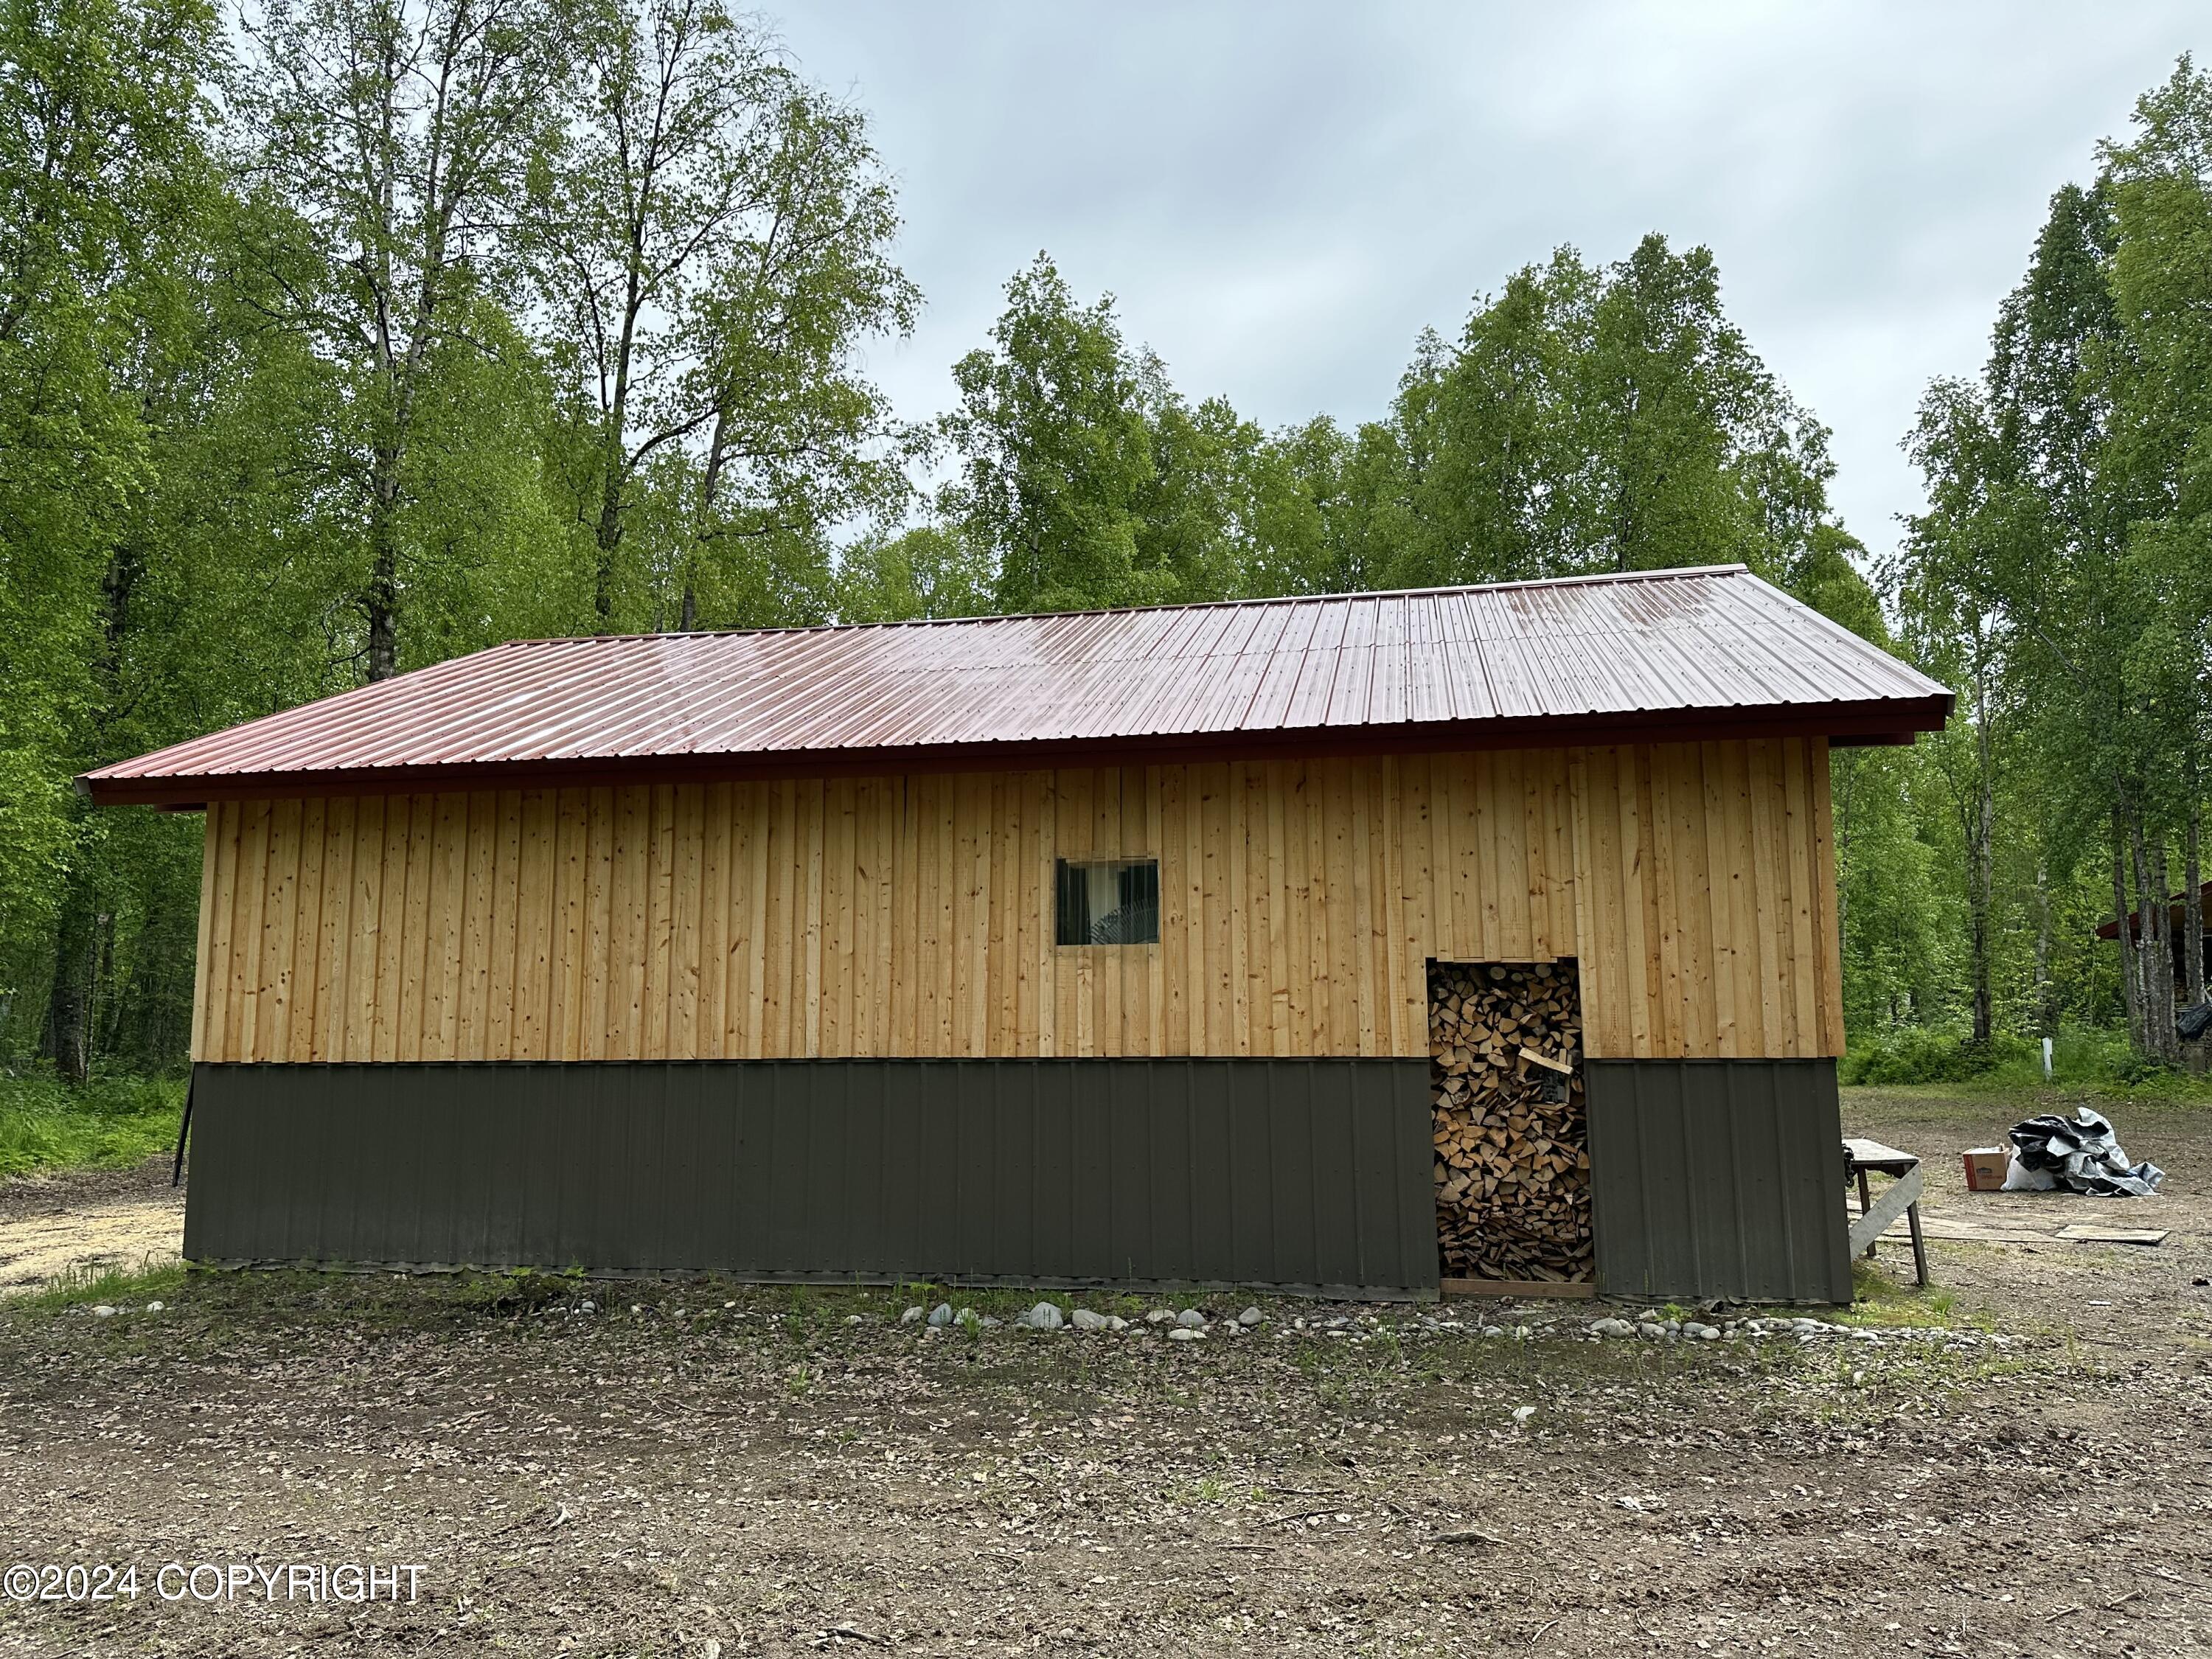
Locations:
column 1986, row 1167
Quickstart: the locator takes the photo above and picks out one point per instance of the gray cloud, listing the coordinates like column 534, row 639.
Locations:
column 1283, row 195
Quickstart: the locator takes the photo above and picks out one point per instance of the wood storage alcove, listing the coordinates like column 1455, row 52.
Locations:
column 1511, row 1132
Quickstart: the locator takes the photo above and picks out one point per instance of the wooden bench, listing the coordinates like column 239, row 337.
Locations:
column 1865, row 1158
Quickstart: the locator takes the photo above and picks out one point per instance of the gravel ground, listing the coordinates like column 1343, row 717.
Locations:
column 95, row 1219
column 712, row 1470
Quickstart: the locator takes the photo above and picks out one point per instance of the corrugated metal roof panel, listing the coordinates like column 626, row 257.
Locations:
column 1441, row 665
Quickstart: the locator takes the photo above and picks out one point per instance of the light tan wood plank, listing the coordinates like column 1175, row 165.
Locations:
column 203, row 945
column 1773, row 900
column 279, row 916
column 1805, row 942
column 365, row 953
column 749, row 950
column 536, row 921
column 302, row 994
column 686, row 843
column 471, row 1009
column 1827, row 930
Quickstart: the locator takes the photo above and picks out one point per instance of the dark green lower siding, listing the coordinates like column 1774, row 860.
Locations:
column 1299, row 1174
column 1718, row 1178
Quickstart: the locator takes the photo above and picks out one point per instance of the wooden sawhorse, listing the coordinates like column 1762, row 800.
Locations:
column 1865, row 1158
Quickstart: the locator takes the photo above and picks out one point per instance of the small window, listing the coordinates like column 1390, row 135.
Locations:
column 1115, row 904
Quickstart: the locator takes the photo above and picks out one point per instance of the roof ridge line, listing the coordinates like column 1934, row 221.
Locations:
column 1583, row 580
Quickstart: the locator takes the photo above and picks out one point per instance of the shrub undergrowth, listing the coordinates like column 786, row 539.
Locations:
column 108, row 1123
column 2098, row 1061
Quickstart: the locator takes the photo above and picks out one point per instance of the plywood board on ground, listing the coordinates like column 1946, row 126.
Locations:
column 1515, row 1287
column 1960, row 1231
column 2082, row 1232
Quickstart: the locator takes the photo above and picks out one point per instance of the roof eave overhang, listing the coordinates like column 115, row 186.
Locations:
column 1889, row 722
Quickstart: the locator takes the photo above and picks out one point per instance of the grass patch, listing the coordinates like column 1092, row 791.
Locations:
column 1212, row 1491
column 86, row 1286
column 1887, row 1303
column 109, row 1123
column 2084, row 1062
column 1854, row 1386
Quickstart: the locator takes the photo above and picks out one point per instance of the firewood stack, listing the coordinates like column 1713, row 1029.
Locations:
column 1512, row 1142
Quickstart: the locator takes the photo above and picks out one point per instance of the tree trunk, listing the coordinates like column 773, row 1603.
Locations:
column 2131, row 985
column 607, row 534
column 703, row 525
column 614, row 438
column 382, row 600
column 1981, row 871
column 2046, row 1013
column 1843, row 785
column 2153, row 966
column 2168, row 1044
column 2192, row 909
column 69, row 1004
column 1983, row 899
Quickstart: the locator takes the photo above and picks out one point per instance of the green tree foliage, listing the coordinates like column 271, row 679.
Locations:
column 2060, row 576
column 1896, row 910
column 2162, row 443
column 1597, row 419
column 388, row 136
column 104, row 175
column 711, row 243
column 1087, row 479
column 1057, row 454
column 905, row 575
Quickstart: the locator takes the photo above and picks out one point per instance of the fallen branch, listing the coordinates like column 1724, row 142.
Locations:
column 1302, row 1515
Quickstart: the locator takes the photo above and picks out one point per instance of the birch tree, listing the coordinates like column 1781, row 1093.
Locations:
column 710, row 246
column 394, row 133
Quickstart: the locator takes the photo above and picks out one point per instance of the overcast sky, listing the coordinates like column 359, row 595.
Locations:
column 1281, row 196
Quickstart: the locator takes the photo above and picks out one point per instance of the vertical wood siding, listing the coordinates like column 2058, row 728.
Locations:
column 911, row 915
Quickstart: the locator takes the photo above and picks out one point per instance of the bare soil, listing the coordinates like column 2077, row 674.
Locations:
column 675, row 1474
column 88, row 1221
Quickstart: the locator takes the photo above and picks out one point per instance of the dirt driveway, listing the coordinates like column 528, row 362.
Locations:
column 89, row 1220
column 711, row 1470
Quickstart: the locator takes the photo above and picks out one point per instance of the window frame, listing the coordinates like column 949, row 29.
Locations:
column 1064, row 871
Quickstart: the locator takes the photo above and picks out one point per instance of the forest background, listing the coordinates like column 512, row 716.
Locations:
column 352, row 334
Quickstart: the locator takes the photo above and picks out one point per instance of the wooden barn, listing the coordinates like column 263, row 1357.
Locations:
column 1351, row 944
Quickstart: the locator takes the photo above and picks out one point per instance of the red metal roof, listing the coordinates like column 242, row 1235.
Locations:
column 2177, row 908
column 1704, row 652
